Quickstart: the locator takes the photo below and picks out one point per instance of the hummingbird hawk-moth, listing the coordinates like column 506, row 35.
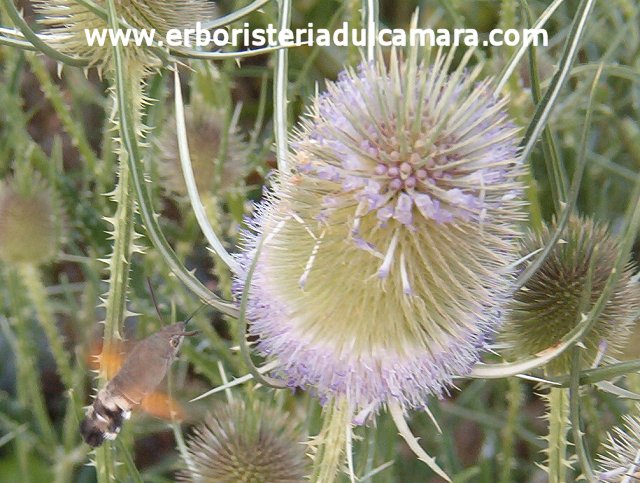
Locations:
column 144, row 368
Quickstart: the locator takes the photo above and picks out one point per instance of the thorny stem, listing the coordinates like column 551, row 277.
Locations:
column 574, row 405
column 116, row 299
column 558, row 428
column 514, row 406
column 123, row 235
column 331, row 441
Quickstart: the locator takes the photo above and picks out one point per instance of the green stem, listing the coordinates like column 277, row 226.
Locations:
column 36, row 291
column 73, row 127
column 558, row 428
column 31, row 278
column 120, row 257
column 123, row 235
column 331, row 441
column 280, row 83
column 28, row 386
column 514, row 406
column 23, row 450
column 584, row 460
column 116, row 299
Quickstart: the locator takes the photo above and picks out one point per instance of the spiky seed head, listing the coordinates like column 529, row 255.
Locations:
column 631, row 349
column 30, row 221
column 67, row 22
column 214, row 171
column 549, row 305
column 386, row 251
column 246, row 443
column 621, row 459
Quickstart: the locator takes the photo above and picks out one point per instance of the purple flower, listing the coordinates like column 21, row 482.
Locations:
column 384, row 294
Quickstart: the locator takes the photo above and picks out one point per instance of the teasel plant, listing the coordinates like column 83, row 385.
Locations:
column 549, row 305
column 281, row 217
column 332, row 446
column 31, row 232
column 246, row 441
column 620, row 461
column 127, row 70
column 277, row 215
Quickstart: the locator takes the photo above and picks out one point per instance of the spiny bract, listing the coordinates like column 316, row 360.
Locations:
column 386, row 252
column 621, row 461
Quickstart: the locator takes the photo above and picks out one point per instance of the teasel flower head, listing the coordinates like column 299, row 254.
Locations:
column 218, row 154
column 631, row 349
column 385, row 254
column 550, row 304
column 621, row 460
column 249, row 443
column 67, row 23
column 30, row 220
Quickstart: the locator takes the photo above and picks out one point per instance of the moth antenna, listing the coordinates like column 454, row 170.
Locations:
column 155, row 302
column 188, row 319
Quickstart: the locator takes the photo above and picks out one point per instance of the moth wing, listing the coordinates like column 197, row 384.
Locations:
column 161, row 405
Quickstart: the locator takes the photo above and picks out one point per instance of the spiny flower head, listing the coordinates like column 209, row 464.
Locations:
column 246, row 443
column 631, row 349
column 385, row 253
column 551, row 302
column 621, row 461
column 68, row 21
column 214, row 171
column 30, row 220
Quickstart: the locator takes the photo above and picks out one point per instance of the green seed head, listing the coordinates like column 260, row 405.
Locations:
column 29, row 221
column 214, row 170
column 551, row 302
column 242, row 443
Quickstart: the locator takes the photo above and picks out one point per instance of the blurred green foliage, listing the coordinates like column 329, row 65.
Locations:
column 59, row 127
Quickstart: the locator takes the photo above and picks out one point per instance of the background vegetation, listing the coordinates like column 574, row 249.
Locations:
column 59, row 127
